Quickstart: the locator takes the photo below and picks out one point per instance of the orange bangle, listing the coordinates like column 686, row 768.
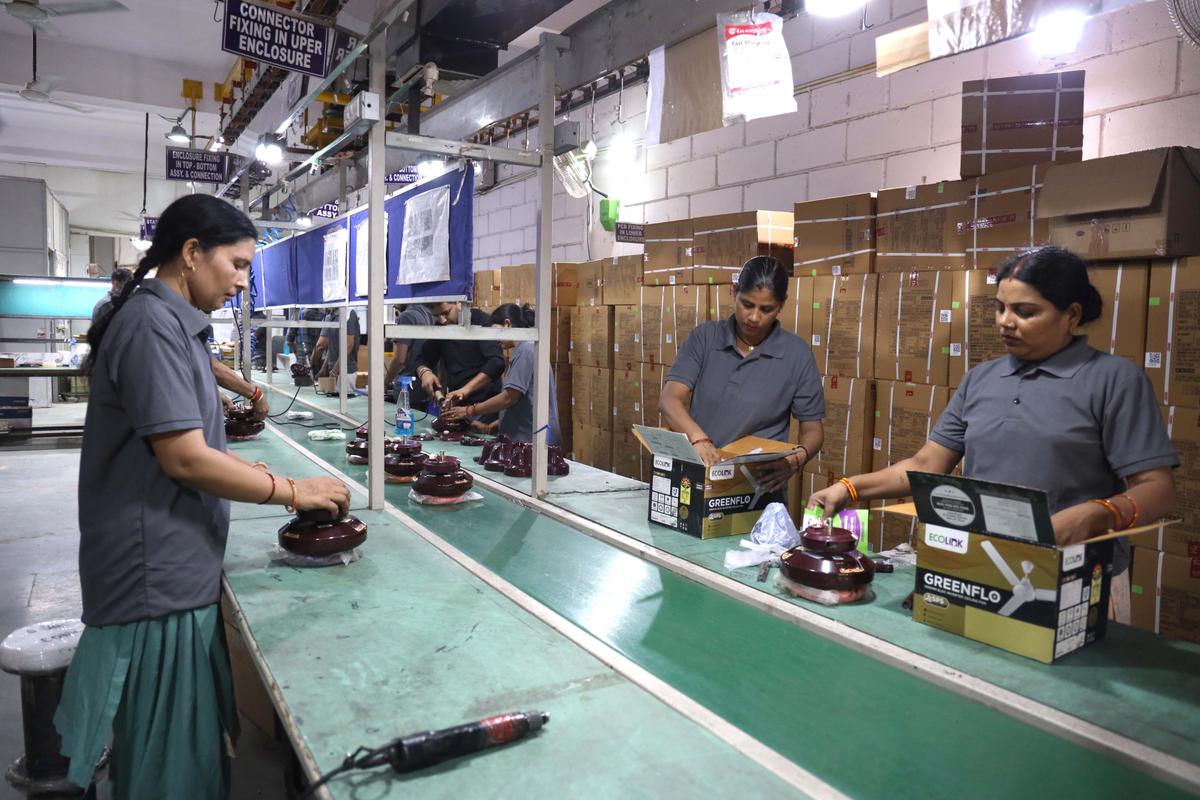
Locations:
column 1137, row 511
column 1112, row 509
column 292, row 507
column 271, row 496
column 849, row 488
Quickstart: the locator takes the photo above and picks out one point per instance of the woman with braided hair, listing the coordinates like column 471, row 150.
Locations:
column 155, row 482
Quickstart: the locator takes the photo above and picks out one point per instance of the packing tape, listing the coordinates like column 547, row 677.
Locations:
column 1001, row 93
column 1158, row 593
column 846, row 433
column 833, row 219
column 899, row 314
column 837, row 257
column 755, row 227
column 1170, row 329
column 1112, row 341
column 862, row 304
column 829, row 324
column 923, row 255
column 933, row 318
column 891, row 412
column 1054, row 128
column 1052, row 150
column 919, row 209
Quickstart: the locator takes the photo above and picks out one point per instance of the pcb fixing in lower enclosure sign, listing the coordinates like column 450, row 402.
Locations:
column 725, row 499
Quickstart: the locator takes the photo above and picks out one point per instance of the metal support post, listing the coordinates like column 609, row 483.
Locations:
column 550, row 46
column 268, row 340
column 342, row 383
column 244, row 346
column 377, row 277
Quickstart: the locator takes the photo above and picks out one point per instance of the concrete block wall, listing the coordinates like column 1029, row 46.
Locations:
column 857, row 134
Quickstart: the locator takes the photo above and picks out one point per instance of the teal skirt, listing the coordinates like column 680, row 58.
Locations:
column 162, row 688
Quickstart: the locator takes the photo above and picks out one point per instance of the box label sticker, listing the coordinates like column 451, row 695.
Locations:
column 1155, row 301
column 721, row 472
column 671, row 280
column 668, row 338
column 616, row 347
column 991, row 279
column 948, row 539
column 1072, row 557
column 816, row 340
column 952, row 505
column 663, row 462
column 944, row 315
column 910, row 193
column 955, row 304
column 955, row 349
column 1153, row 361
column 837, row 269
column 877, row 443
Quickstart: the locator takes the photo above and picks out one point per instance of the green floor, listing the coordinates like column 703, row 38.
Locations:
column 851, row 720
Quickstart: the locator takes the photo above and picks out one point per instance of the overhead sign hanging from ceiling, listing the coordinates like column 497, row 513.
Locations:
column 277, row 37
column 184, row 164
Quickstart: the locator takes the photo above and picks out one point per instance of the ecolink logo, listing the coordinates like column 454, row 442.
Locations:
column 946, row 539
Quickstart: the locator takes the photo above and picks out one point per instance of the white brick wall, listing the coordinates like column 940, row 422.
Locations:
column 854, row 135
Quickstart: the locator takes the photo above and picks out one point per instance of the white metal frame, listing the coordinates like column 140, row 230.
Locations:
column 378, row 142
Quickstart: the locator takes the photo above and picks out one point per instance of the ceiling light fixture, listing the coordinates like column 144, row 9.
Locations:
column 304, row 221
column 833, row 8
column 430, row 168
column 141, row 245
column 269, row 150
column 1059, row 32
column 179, row 135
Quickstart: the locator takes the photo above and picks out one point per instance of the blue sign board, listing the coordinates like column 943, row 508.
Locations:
column 327, row 211
column 185, row 164
column 403, row 175
column 146, row 232
column 273, row 36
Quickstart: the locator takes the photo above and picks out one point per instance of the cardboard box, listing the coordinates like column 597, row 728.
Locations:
column 1137, row 205
column 974, row 335
column 886, row 531
column 905, row 414
column 482, row 293
column 517, row 285
column 564, row 391
column 912, row 326
column 651, row 309
column 591, row 283
column 849, row 428
column 592, row 446
column 684, row 307
column 1172, row 334
column 706, row 502
column 918, row 227
column 1182, row 538
column 843, row 325
column 591, row 396
column 629, row 458
column 835, row 236
column 1002, row 218
column 360, row 380
column 564, row 291
column 561, row 334
column 636, row 394
column 721, row 244
column 627, row 337
column 720, row 301
column 251, row 696
column 961, row 588
column 621, row 280
column 668, row 248
column 1011, row 122
column 1164, row 594
column 1121, row 328
column 592, row 336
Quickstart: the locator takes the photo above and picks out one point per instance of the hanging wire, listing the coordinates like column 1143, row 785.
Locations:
column 621, row 100
column 216, row 10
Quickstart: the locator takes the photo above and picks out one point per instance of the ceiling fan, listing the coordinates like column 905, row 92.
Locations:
column 38, row 90
column 38, row 15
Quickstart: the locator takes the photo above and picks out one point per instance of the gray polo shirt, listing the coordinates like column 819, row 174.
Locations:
column 148, row 544
column 1075, row 425
column 414, row 315
column 517, row 421
column 333, row 352
column 756, row 395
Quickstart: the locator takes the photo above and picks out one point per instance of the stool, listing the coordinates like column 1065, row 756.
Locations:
column 39, row 654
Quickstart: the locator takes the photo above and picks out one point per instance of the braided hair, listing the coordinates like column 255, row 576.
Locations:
column 209, row 220
column 515, row 315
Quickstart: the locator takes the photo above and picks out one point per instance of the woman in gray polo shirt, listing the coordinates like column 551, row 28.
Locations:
column 747, row 376
column 1053, row 414
column 155, row 482
column 515, row 400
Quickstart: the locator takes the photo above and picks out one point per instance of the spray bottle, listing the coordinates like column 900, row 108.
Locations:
column 404, row 417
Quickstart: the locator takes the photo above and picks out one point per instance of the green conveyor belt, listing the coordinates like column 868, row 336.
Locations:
column 869, row 729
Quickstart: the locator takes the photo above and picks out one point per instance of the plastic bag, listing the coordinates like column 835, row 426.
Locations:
column 280, row 556
column 327, row 435
column 427, row 500
column 756, row 69
column 826, row 597
column 751, row 555
column 775, row 527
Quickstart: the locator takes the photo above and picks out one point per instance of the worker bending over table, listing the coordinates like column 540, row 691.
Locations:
column 747, row 376
column 1053, row 414
column 471, row 368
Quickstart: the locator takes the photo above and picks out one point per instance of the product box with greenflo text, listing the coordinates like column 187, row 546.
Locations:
column 1036, row 600
column 706, row 502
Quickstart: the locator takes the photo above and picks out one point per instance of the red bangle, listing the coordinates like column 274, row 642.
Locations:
column 271, row 496
column 256, row 395
column 701, row 440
